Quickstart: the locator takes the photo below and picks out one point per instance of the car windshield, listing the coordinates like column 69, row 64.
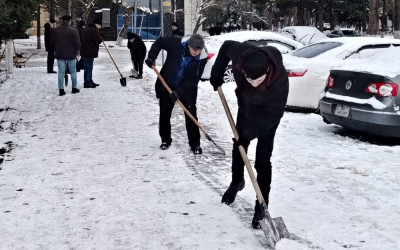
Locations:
column 316, row 49
column 349, row 32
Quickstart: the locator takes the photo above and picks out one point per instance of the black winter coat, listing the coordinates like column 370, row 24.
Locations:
column 137, row 48
column 66, row 41
column 90, row 41
column 175, row 46
column 260, row 108
column 47, row 34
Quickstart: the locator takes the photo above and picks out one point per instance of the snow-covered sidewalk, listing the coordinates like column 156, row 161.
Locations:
column 85, row 171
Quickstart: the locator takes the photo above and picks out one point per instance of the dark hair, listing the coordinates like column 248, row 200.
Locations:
column 255, row 64
column 175, row 24
column 81, row 23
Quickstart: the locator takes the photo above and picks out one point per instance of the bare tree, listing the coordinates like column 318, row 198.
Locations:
column 201, row 6
column 127, row 22
column 397, row 19
column 88, row 5
column 373, row 26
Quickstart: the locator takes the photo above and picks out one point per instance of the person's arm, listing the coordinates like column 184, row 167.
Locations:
column 222, row 61
column 161, row 43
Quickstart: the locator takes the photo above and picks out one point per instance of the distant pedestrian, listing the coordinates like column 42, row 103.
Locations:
column 175, row 29
column 262, row 90
column 90, row 50
column 67, row 44
column 186, row 58
column 138, row 53
column 48, row 28
column 211, row 30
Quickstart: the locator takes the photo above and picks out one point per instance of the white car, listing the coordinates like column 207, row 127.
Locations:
column 308, row 68
column 303, row 34
column 258, row 38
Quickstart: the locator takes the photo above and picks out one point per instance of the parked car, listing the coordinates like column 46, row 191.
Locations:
column 308, row 67
column 343, row 32
column 258, row 38
column 303, row 34
column 365, row 97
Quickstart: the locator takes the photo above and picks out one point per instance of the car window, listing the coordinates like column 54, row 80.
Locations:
column 369, row 50
column 316, row 49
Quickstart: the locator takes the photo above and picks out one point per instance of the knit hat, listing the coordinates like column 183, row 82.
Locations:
column 196, row 42
column 131, row 35
column 175, row 24
column 66, row 18
column 52, row 20
column 255, row 64
column 98, row 21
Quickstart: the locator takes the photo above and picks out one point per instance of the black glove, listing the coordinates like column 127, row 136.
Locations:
column 174, row 96
column 149, row 62
column 216, row 83
column 241, row 141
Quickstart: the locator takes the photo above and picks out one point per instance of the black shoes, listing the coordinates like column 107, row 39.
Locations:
column 231, row 192
column 51, row 72
column 75, row 90
column 89, row 85
column 165, row 144
column 62, row 92
column 259, row 215
column 137, row 77
column 196, row 150
column 95, row 84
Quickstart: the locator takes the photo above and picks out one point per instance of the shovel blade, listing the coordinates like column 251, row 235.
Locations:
column 123, row 81
column 274, row 229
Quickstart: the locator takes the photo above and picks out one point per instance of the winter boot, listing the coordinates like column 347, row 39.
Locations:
column 165, row 144
column 140, row 77
column 95, row 84
column 196, row 150
column 75, row 90
column 231, row 192
column 62, row 92
column 88, row 85
column 259, row 215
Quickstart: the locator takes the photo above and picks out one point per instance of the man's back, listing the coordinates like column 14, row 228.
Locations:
column 66, row 42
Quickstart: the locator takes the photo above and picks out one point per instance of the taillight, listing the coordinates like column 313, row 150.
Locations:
column 330, row 83
column 210, row 55
column 295, row 73
column 382, row 89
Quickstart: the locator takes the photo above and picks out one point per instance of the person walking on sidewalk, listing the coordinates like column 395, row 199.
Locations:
column 138, row 54
column 48, row 28
column 90, row 50
column 184, row 65
column 262, row 90
column 67, row 44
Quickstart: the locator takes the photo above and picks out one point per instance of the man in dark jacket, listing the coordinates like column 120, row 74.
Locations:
column 262, row 89
column 186, row 58
column 90, row 50
column 175, row 29
column 48, row 45
column 138, row 53
column 67, row 44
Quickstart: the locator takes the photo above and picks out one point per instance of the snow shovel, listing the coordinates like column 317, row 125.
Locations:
column 184, row 109
column 123, row 79
column 274, row 229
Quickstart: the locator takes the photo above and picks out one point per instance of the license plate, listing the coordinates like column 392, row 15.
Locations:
column 342, row 110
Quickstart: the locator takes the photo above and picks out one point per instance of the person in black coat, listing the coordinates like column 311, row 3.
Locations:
column 49, row 45
column 262, row 90
column 138, row 53
column 184, row 65
column 175, row 29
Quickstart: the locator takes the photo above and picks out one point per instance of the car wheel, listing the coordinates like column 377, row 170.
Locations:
column 228, row 75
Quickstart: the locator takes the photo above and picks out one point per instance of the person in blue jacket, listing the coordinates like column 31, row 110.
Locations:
column 184, row 65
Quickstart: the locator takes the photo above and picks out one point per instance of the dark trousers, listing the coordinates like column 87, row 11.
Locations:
column 138, row 65
column 262, row 164
column 88, row 67
column 166, row 107
column 50, row 60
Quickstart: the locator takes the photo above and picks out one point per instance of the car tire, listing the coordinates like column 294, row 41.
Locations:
column 228, row 75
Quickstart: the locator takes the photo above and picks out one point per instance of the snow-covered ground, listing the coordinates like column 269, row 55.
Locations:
column 85, row 171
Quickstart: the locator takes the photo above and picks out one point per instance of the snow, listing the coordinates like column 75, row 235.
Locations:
column 85, row 171
column 371, row 101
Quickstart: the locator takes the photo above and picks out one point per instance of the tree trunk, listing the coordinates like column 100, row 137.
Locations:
column 320, row 16
column 9, row 58
column 364, row 17
column 397, row 19
column 373, row 26
column 72, row 10
column 122, row 32
column 197, row 25
column 39, row 42
column 52, row 9
column 301, row 13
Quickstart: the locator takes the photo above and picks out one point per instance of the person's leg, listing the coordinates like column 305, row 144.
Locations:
column 166, row 107
column 61, row 64
column 140, row 67
column 72, row 70
column 50, row 61
column 87, row 75
column 193, row 131
column 263, row 167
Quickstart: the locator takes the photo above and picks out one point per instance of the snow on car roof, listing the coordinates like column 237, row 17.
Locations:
column 214, row 42
column 305, row 32
column 386, row 63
